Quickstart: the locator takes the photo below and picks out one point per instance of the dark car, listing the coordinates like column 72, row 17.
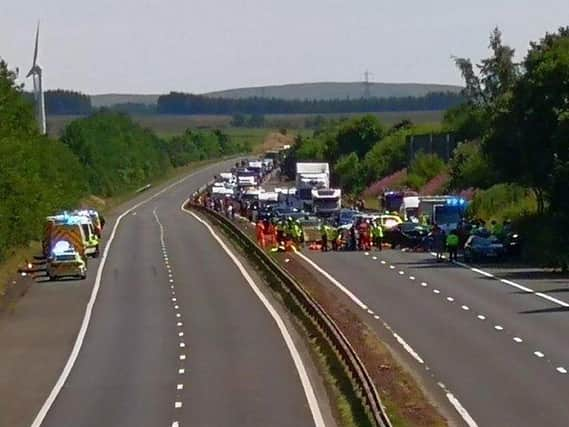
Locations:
column 512, row 244
column 479, row 248
column 406, row 235
column 346, row 216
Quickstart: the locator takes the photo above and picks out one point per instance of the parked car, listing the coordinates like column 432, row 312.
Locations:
column 480, row 248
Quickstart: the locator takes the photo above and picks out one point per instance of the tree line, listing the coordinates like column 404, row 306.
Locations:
column 105, row 154
column 184, row 103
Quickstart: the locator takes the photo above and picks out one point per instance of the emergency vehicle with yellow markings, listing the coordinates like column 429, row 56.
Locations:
column 65, row 261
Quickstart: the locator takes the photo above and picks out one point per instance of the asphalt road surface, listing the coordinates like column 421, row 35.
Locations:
column 497, row 350
column 176, row 338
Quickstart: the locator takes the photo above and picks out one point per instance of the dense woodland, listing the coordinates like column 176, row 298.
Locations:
column 182, row 103
column 63, row 102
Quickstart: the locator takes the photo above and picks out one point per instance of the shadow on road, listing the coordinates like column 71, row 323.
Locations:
column 547, row 310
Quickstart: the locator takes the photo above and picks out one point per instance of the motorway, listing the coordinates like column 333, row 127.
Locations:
column 177, row 336
column 495, row 349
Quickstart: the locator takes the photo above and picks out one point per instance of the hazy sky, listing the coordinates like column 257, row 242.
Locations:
column 154, row 46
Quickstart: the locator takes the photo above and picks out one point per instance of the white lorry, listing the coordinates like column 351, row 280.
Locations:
column 311, row 176
column 326, row 201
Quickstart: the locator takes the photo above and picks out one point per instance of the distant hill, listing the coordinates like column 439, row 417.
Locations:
column 320, row 91
column 108, row 99
column 332, row 90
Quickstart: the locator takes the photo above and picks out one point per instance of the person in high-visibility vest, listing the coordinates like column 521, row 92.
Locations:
column 332, row 236
column 452, row 242
column 324, row 236
column 377, row 234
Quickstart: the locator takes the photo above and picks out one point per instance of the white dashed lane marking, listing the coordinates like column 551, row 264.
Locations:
column 518, row 340
column 174, row 300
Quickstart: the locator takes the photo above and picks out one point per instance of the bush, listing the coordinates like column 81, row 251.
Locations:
column 470, row 168
column 386, row 157
column 545, row 240
column 503, row 201
column 424, row 168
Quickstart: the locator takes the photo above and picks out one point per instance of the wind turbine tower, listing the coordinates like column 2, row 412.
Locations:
column 36, row 74
column 367, row 84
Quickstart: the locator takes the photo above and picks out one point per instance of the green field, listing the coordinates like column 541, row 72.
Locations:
column 168, row 125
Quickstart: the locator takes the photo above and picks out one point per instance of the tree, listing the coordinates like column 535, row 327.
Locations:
column 116, row 153
column 67, row 102
column 529, row 133
column 496, row 74
column 356, row 136
column 469, row 168
column 38, row 176
column 347, row 172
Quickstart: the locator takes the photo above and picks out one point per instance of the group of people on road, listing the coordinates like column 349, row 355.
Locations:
column 360, row 236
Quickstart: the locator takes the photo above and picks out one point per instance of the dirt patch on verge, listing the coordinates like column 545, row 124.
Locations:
column 273, row 141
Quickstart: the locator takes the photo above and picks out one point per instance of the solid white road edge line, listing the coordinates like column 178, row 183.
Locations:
column 304, row 379
column 452, row 399
column 38, row 420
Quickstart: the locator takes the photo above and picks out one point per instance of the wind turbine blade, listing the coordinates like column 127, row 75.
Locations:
column 36, row 47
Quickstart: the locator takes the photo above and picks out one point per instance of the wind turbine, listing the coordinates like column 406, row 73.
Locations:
column 36, row 74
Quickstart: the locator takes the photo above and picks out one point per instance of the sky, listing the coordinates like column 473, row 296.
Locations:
column 157, row 46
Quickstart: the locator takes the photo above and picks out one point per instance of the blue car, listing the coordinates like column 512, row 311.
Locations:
column 479, row 248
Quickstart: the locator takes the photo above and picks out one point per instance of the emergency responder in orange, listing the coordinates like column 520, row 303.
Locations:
column 259, row 232
column 269, row 231
column 364, row 232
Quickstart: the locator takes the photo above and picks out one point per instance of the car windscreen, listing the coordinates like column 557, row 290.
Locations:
column 326, row 203
column 65, row 257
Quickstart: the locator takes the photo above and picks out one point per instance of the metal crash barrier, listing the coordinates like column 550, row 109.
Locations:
column 360, row 378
